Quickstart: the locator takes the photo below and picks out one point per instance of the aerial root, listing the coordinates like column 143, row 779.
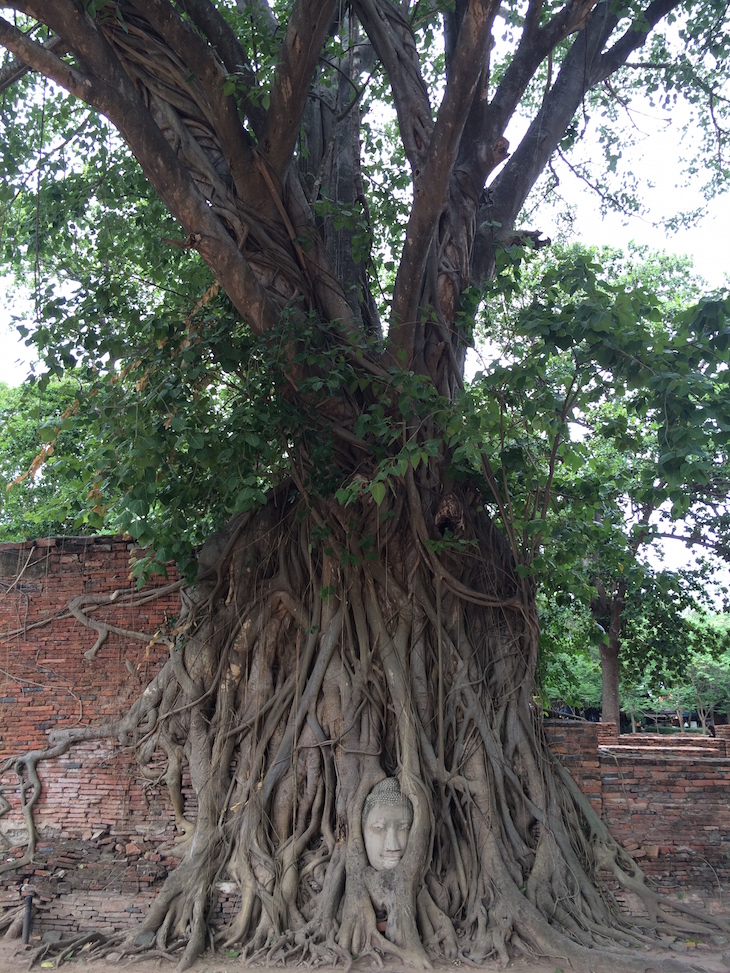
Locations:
column 413, row 958
column 93, row 945
column 646, row 959
column 300, row 949
column 148, row 954
column 682, row 918
column 321, row 946
column 439, row 936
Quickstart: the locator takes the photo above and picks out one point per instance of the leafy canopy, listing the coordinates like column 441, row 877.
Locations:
column 350, row 200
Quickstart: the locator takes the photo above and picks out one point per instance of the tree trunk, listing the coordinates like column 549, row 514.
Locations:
column 608, row 609
column 611, row 706
column 324, row 648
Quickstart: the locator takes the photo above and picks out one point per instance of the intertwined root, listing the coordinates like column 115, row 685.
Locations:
column 324, row 649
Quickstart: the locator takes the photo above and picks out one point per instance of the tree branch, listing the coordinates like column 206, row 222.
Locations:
column 41, row 58
column 19, row 68
column 607, row 198
column 509, row 190
column 432, row 185
column 535, row 45
column 695, row 540
column 109, row 89
column 306, row 32
column 392, row 37
column 633, row 37
column 218, row 31
column 584, row 66
column 199, row 57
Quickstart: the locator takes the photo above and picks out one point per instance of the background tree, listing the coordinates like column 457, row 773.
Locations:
column 363, row 616
column 46, row 479
column 682, row 667
column 606, row 408
column 657, row 638
column 704, row 687
column 569, row 669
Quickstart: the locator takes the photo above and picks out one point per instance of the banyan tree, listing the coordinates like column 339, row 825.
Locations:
column 336, row 181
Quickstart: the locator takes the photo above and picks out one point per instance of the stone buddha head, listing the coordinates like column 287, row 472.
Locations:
column 387, row 816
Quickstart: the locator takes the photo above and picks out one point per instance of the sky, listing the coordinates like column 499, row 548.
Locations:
column 706, row 241
column 15, row 358
column 656, row 157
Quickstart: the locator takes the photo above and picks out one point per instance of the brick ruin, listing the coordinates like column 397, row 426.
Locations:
column 105, row 834
column 665, row 798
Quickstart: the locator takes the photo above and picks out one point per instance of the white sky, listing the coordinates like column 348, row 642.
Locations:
column 15, row 358
column 706, row 241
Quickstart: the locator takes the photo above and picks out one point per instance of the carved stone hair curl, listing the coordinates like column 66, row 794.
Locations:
column 387, row 792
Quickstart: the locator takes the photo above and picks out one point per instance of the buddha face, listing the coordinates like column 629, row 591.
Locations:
column 385, row 833
column 386, row 823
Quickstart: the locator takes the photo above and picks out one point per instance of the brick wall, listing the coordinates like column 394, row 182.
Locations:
column 46, row 682
column 100, row 855
column 575, row 744
column 670, row 809
column 104, row 833
column 666, row 798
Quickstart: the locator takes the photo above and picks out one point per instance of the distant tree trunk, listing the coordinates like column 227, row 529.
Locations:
column 608, row 608
column 611, row 706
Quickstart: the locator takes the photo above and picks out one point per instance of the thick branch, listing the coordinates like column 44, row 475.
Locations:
column 392, row 37
column 634, row 37
column 509, row 191
column 431, row 187
column 115, row 96
column 41, row 58
column 306, row 32
column 584, row 66
column 215, row 27
column 19, row 68
column 196, row 54
column 535, row 45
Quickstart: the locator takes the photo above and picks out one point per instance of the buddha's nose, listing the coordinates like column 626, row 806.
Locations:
column 392, row 841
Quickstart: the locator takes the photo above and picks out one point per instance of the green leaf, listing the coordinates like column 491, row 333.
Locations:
column 377, row 491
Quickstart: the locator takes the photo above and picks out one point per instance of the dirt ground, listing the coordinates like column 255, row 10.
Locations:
column 15, row 960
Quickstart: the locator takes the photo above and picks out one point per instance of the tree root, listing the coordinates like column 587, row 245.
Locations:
column 303, row 672
column 91, row 945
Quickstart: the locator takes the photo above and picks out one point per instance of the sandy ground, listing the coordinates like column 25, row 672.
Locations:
column 14, row 960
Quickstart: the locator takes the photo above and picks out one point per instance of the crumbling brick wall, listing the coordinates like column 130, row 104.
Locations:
column 47, row 683
column 670, row 809
column 665, row 798
column 102, row 830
